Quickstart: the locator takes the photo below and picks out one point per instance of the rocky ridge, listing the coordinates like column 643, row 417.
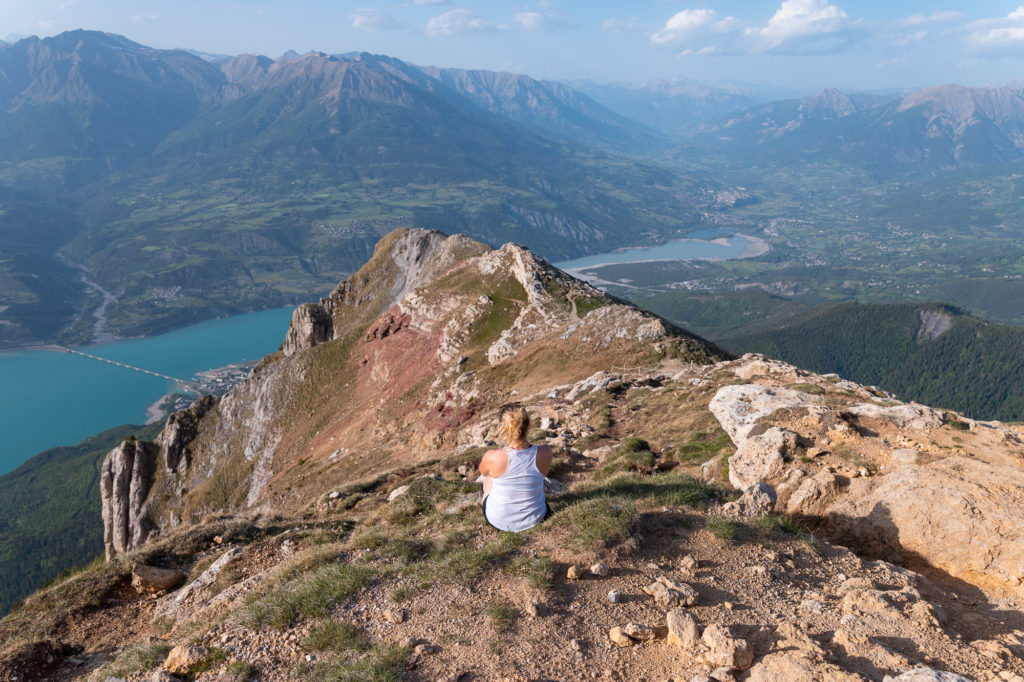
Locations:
column 714, row 518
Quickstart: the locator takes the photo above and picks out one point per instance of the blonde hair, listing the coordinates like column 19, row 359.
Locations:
column 515, row 424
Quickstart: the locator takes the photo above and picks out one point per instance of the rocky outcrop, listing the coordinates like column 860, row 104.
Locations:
column 761, row 458
column 311, row 325
column 738, row 408
column 181, row 429
column 125, row 481
column 960, row 515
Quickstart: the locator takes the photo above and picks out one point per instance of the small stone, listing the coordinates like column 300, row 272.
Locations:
column 729, row 606
column 683, row 630
column 615, row 596
column 218, row 539
column 599, row 569
column 812, row 605
column 639, row 632
column 620, row 638
column 463, row 470
column 398, row 492
column 184, row 657
column 723, row 674
column 394, row 616
column 574, row 573
column 688, row 565
column 759, row 570
column 725, row 650
column 536, row 609
column 334, row 495
column 150, row 579
column 576, row 645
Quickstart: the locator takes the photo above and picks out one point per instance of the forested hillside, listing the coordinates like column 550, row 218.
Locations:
column 932, row 354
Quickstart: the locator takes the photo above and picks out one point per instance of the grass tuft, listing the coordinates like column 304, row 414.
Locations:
column 723, row 529
column 502, row 614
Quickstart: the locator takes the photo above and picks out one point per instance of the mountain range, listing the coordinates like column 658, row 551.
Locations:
column 935, row 129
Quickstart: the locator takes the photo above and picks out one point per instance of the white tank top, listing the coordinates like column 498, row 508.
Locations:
column 516, row 501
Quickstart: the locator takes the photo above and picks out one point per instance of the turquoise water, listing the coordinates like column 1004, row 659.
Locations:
column 49, row 398
column 680, row 249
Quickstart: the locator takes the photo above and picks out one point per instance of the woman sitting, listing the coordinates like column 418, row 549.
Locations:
column 514, row 476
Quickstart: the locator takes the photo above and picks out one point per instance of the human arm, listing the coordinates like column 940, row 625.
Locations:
column 544, row 457
column 493, row 463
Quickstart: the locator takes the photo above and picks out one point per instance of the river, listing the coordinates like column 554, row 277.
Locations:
column 49, row 398
column 699, row 246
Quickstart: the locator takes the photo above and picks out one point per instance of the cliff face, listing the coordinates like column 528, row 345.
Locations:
column 404, row 361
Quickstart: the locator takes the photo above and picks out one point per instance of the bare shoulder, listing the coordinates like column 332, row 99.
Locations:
column 493, row 462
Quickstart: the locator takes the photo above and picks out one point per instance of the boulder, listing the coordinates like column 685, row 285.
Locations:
column 683, row 629
column 761, row 458
column 903, row 415
column 738, row 408
column 726, row 650
column 639, row 632
column 150, row 579
column 398, row 492
column 798, row 665
column 961, row 515
column 813, row 493
column 184, row 657
column 600, row 569
column 756, row 500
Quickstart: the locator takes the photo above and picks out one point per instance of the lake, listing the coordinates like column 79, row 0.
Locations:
column 693, row 248
column 49, row 398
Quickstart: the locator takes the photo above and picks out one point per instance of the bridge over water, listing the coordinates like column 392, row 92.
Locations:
column 190, row 385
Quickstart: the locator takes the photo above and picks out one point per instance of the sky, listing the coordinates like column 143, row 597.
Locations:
column 797, row 44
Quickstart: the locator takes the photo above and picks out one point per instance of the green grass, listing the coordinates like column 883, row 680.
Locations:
column 310, row 595
column 598, row 522
column 383, row 663
column 331, row 635
column 135, row 659
column 723, row 529
column 538, row 571
column 776, row 525
column 813, row 389
column 701, row 447
column 502, row 614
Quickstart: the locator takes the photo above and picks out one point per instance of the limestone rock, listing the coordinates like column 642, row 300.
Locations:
column 398, row 492
column 599, row 569
column 738, row 408
column 668, row 592
column 813, row 493
column 761, row 458
column 150, row 579
column 904, row 416
column 125, row 480
column 171, row 604
column 574, row 573
column 553, row 487
column 683, row 629
column 175, row 440
column 184, row 657
column 394, row 616
column 639, row 632
column 311, row 325
column 798, row 665
column 961, row 515
column 725, row 650
column 615, row 596
column 926, row 675
column 620, row 638
column 756, row 500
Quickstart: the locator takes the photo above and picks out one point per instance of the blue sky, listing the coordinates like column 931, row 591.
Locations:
column 800, row 44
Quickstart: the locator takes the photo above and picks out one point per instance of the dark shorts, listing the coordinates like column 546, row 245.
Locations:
column 547, row 513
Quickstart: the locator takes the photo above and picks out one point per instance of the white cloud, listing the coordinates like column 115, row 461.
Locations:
column 429, row 2
column 910, row 38
column 621, row 25
column 997, row 37
column 933, row 18
column 139, row 18
column 373, row 20
column 64, row 4
column 541, row 21
column 796, row 21
column 693, row 29
column 456, row 21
